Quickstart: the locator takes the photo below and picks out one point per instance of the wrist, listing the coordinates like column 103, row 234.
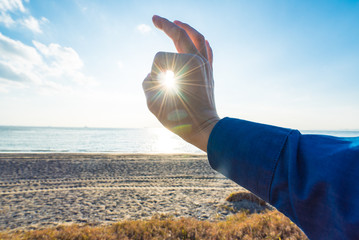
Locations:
column 200, row 139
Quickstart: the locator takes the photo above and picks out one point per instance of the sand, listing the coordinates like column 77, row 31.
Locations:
column 40, row 190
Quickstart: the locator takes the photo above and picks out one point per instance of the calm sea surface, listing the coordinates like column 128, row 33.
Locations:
column 119, row 140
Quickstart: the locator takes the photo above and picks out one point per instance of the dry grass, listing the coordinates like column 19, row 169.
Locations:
column 243, row 225
column 239, row 196
column 266, row 225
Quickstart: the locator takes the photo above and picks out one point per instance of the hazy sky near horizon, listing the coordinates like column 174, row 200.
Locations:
column 81, row 63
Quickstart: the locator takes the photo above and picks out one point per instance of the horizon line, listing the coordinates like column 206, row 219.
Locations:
column 92, row 127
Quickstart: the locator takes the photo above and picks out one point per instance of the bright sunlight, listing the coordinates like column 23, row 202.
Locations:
column 168, row 80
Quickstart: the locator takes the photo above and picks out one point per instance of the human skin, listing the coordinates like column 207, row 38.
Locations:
column 188, row 110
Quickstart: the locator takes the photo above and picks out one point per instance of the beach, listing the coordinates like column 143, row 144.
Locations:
column 47, row 189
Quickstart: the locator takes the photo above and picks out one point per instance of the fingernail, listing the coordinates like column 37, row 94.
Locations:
column 155, row 20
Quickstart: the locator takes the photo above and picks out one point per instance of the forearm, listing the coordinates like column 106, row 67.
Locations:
column 310, row 178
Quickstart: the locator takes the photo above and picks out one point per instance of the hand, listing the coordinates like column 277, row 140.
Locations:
column 187, row 108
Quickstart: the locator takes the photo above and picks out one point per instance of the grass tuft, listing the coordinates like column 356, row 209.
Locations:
column 239, row 196
column 266, row 225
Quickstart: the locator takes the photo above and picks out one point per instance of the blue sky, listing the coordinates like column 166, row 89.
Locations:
column 81, row 63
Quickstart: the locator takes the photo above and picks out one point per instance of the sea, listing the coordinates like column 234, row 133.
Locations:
column 105, row 140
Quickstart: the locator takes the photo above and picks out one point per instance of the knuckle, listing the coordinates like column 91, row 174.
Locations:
column 195, row 62
column 200, row 38
column 160, row 62
column 198, row 60
column 186, row 25
column 159, row 55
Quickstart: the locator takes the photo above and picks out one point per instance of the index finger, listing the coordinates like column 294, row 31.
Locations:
column 196, row 37
column 180, row 38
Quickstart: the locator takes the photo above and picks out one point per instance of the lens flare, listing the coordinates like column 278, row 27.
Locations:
column 174, row 82
column 168, row 80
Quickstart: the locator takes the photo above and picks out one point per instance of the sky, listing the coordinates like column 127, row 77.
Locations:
column 81, row 63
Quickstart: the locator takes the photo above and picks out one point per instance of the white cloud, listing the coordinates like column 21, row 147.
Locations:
column 32, row 24
column 9, row 72
column 6, row 19
column 63, row 61
column 17, row 61
column 46, row 66
column 11, row 5
column 44, row 20
column 13, row 50
column 144, row 28
column 10, row 17
column 65, row 58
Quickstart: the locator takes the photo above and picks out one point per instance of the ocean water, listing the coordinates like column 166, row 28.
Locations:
column 104, row 140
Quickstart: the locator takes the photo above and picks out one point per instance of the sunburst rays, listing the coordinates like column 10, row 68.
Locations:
column 174, row 95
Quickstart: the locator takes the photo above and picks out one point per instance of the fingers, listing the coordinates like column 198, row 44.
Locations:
column 196, row 37
column 162, row 62
column 149, row 86
column 183, row 65
column 179, row 36
column 152, row 93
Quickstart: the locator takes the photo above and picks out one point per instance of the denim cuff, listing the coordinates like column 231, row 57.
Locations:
column 247, row 153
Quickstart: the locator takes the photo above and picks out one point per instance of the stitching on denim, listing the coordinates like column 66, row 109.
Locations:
column 276, row 159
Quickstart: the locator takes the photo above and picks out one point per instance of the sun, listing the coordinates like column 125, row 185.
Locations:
column 168, row 80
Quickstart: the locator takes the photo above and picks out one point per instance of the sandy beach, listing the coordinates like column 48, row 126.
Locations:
column 40, row 190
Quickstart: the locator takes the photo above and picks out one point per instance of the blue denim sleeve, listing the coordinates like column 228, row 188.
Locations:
column 312, row 179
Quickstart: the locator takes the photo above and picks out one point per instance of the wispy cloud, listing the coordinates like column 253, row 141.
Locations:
column 45, row 66
column 63, row 62
column 6, row 19
column 32, row 24
column 41, row 65
column 18, row 61
column 14, row 14
column 12, row 5
column 144, row 28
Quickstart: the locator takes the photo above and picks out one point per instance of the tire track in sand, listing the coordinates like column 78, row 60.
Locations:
column 72, row 180
column 115, row 183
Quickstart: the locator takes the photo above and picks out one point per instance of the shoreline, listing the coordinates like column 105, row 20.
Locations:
column 106, row 153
